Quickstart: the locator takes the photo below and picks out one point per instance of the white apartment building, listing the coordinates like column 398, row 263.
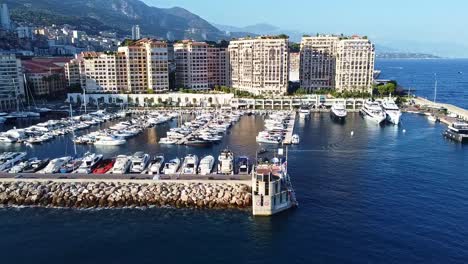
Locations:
column 355, row 65
column 339, row 63
column 317, row 68
column 191, row 59
column 260, row 65
column 138, row 67
column 11, row 81
column 294, row 66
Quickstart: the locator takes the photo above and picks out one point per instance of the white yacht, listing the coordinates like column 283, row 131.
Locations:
column 139, row 161
column 392, row 111
column 295, row 139
column 55, row 165
column 156, row 165
column 243, row 165
column 190, row 165
column 206, row 165
column 338, row 111
column 89, row 161
column 10, row 159
column 267, row 138
column 226, row 162
column 4, row 138
column 110, row 141
column 172, row 166
column 121, row 165
column 304, row 111
column 167, row 141
column 373, row 111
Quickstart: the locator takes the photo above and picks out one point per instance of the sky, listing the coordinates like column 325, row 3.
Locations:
column 437, row 26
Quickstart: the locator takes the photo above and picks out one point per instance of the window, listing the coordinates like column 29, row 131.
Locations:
column 267, row 188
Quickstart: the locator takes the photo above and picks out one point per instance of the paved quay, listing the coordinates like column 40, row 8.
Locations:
column 451, row 109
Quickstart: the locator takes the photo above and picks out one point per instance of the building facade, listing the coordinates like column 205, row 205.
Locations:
column 218, row 66
column 139, row 67
column 317, row 61
column 331, row 62
column 45, row 76
column 136, row 32
column 5, row 20
column 191, row 60
column 355, row 61
column 11, row 81
column 260, row 65
column 294, row 66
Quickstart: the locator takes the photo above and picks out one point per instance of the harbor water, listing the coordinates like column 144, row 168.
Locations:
column 381, row 195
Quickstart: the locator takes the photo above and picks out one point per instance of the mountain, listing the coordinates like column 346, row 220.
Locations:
column 117, row 15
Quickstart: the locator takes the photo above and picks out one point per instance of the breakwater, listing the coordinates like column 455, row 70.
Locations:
column 118, row 194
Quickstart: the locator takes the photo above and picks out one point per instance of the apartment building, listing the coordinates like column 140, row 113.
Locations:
column 45, row 76
column 317, row 59
column 218, row 66
column 355, row 61
column 137, row 67
column 260, row 65
column 294, row 66
column 332, row 62
column 11, row 81
column 191, row 59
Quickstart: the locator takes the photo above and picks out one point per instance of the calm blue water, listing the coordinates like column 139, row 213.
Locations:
column 381, row 196
column 452, row 76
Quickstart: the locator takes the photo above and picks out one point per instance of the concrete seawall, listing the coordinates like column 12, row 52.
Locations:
column 125, row 193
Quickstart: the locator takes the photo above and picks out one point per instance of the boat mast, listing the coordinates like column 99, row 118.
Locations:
column 84, row 99
column 16, row 94
column 73, row 131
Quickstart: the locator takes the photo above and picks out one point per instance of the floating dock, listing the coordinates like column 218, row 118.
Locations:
column 290, row 130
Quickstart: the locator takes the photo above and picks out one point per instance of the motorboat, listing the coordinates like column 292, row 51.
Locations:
column 172, row 166
column 121, row 165
column 54, row 165
column 267, row 138
column 35, row 165
column 4, row 138
column 295, row 139
column 339, row 111
column 110, row 141
column 167, row 141
column 156, row 165
column 190, row 165
column 226, row 162
column 243, row 165
column 373, row 111
column 304, row 111
column 198, row 142
column 71, row 166
column 139, row 162
column 10, row 159
column 104, row 166
column 90, row 161
column 457, row 132
column 392, row 111
column 206, row 165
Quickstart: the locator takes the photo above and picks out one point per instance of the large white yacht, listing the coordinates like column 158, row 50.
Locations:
column 206, row 165
column 172, row 166
column 121, row 165
column 90, row 160
column 392, row 111
column 139, row 161
column 338, row 111
column 190, row 165
column 226, row 162
column 373, row 111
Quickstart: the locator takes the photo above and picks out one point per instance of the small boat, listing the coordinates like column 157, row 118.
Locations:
column 90, row 161
column 54, row 165
column 121, row 165
column 35, row 165
column 7, row 139
column 104, row 166
column 190, row 165
column 139, row 162
column 167, row 141
column 198, row 142
column 172, row 166
column 295, row 139
column 156, row 165
column 206, row 165
column 304, row 111
column 226, row 162
column 243, row 165
column 433, row 118
column 110, row 141
column 71, row 166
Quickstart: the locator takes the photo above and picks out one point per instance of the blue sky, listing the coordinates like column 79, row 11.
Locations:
column 402, row 24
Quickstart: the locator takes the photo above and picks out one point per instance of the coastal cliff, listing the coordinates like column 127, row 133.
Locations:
column 116, row 194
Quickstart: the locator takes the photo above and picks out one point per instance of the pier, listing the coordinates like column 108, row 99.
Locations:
column 451, row 109
column 290, row 130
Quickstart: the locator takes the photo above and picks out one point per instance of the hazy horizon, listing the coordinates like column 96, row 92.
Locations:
column 417, row 26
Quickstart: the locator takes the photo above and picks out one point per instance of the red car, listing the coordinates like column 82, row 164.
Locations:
column 104, row 166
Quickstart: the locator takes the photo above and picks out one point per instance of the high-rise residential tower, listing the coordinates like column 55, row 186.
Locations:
column 260, row 65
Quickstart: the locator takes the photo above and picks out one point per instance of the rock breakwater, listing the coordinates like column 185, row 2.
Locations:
column 124, row 194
